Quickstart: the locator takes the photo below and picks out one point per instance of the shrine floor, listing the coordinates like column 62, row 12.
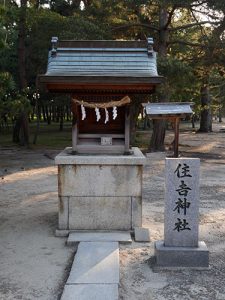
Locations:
column 35, row 264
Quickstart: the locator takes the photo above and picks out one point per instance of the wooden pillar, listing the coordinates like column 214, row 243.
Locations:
column 127, row 129
column 176, row 136
column 74, row 128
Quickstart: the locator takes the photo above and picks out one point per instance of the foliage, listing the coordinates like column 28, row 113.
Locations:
column 191, row 51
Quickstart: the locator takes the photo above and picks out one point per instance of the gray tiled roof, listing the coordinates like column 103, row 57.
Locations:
column 130, row 61
column 125, row 66
column 168, row 109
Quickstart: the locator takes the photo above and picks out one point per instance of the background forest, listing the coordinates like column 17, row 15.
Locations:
column 189, row 37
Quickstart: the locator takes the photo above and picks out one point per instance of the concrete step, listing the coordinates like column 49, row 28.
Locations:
column 95, row 262
column 90, row 292
column 88, row 236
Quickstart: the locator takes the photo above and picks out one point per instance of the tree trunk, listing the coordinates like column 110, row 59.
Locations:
column 206, row 117
column 163, row 32
column 57, row 119
column 159, row 126
column 61, row 120
column 37, row 124
column 68, row 115
column 21, row 44
column 53, row 113
column 21, row 128
column 44, row 113
column 220, row 114
column 158, row 136
column 48, row 114
column 193, row 121
column 134, row 111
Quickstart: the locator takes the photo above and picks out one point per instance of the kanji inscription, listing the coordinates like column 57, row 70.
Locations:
column 182, row 198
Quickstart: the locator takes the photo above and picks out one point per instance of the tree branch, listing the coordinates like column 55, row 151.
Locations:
column 134, row 25
column 170, row 16
column 209, row 15
column 196, row 44
column 198, row 4
column 186, row 43
column 193, row 25
column 203, row 32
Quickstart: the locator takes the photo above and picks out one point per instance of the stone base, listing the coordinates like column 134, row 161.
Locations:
column 61, row 233
column 100, row 192
column 98, row 236
column 181, row 257
column 141, row 234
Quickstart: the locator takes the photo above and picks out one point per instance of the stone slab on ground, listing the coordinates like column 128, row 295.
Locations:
column 95, row 262
column 88, row 236
column 181, row 257
column 141, row 234
column 90, row 292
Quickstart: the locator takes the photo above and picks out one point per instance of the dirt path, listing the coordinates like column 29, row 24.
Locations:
column 138, row 281
column 34, row 263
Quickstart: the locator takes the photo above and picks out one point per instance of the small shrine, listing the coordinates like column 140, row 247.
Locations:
column 101, row 77
column 100, row 176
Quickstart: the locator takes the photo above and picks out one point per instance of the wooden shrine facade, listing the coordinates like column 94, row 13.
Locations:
column 99, row 75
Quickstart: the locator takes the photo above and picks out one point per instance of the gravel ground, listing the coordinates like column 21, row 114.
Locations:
column 35, row 264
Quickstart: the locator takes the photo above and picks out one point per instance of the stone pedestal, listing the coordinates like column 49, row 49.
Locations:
column 181, row 247
column 99, row 192
column 181, row 257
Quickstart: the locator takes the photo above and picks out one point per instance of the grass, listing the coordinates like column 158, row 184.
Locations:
column 49, row 136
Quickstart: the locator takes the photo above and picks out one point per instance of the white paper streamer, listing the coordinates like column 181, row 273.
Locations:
column 106, row 116
column 98, row 116
column 83, row 112
column 114, row 112
column 144, row 113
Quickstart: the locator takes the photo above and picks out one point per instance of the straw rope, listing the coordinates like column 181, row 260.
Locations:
column 121, row 102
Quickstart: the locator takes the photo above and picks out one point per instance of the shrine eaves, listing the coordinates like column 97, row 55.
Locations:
column 123, row 66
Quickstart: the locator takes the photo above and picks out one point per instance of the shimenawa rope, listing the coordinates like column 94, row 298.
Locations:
column 121, row 102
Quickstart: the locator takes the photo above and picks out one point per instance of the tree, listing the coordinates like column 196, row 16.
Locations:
column 214, row 54
column 21, row 127
column 174, row 19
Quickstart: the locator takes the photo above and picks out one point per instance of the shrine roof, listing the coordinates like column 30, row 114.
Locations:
column 167, row 110
column 73, row 64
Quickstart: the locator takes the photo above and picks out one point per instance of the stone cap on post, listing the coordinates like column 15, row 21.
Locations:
column 65, row 157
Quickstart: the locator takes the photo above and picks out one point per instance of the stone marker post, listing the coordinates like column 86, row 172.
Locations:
column 181, row 247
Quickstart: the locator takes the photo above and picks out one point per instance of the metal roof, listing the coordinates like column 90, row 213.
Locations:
column 121, row 62
column 168, row 109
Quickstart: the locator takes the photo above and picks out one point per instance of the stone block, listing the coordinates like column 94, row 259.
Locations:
column 88, row 236
column 95, row 262
column 63, row 213
column 181, row 257
column 61, row 233
column 100, row 213
column 181, row 202
column 136, row 212
column 66, row 158
column 99, row 180
column 90, row 292
column 141, row 234
column 104, row 191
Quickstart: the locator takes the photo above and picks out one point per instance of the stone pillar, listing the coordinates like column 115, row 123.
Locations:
column 181, row 246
